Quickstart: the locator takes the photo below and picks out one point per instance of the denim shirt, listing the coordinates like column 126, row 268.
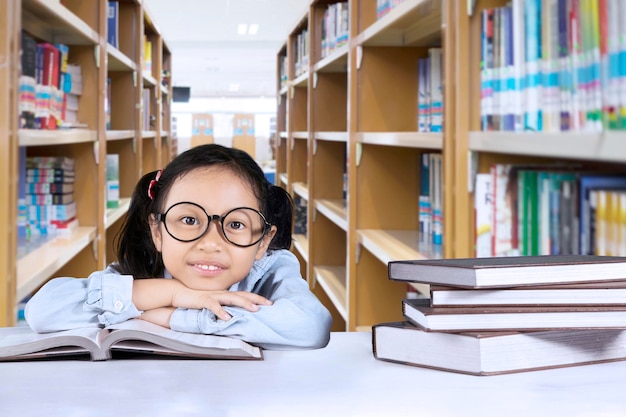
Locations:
column 296, row 319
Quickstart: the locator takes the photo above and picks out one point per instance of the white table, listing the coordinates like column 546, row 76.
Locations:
column 343, row 379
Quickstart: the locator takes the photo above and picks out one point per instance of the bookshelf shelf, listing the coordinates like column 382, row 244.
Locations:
column 301, row 243
column 331, row 136
column 337, row 61
column 117, row 61
column 410, row 23
column 301, row 80
column 301, row 189
column 390, row 245
column 113, row 135
column 403, row 139
column 29, row 137
column 36, row 266
column 334, row 210
column 149, row 80
column 300, row 135
column 393, row 245
column 283, row 179
column 48, row 19
column 607, row 147
column 333, row 280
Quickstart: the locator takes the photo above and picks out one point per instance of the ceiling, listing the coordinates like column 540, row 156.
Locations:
column 209, row 55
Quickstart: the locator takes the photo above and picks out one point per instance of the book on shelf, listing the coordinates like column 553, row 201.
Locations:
column 113, row 181
column 113, row 11
column 64, row 179
column 577, row 294
column 566, row 53
column 425, row 209
column 63, row 228
column 49, row 199
column 49, row 188
column 45, row 212
column 509, row 271
column 587, row 184
column 483, row 216
column 27, row 82
column 56, row 162
column 493, row 353
column 520, row 318
column 133, row 336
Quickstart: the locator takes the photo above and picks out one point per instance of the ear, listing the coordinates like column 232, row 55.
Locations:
column 155, row 231
column 265, row 243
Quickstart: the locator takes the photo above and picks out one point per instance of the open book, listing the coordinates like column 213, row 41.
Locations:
column 21, row 343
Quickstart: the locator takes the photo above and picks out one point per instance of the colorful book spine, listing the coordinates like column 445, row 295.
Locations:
column 563, row 66
column 436, row 187
column 45, row 199
column 622, row 66
column 113, row 10
column 533, row 118
column 483, row 215
column 611, row 85
column 486, row 73
column 425, row 213
column 519, row 63
column 436, row 90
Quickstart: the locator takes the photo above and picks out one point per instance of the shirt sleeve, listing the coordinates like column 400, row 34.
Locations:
column 296, row 319
column 104, row 298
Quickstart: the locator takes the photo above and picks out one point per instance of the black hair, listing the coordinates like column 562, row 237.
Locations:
column 135, row 249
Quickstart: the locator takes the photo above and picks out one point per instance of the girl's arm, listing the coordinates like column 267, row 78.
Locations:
column 155, row 293
column 295, row 320
column 104, row 298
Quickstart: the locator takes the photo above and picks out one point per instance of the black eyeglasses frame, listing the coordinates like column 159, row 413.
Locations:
column 266, row 225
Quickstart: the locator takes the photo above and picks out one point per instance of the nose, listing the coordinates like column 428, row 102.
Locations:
column 213, row 237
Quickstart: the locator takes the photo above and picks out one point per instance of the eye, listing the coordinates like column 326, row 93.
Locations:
column 236, row 225
column 189, row 221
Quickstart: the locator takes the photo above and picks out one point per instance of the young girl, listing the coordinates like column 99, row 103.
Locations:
column 219, row 232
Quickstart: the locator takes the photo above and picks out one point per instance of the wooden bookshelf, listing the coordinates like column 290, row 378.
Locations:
column 28, row 264
column 351, row 137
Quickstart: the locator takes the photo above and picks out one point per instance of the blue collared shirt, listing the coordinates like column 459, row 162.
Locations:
column 296, row 319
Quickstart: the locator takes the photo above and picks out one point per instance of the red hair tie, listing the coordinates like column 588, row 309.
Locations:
column 152, row 186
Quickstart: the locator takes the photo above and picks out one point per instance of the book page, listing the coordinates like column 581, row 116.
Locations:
column 126, row 335
column 21, row 340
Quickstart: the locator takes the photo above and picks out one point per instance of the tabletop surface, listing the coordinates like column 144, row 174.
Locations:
column 343, row 379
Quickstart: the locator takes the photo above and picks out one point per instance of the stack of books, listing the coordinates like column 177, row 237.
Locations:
column 508, row 314
column 49, row 195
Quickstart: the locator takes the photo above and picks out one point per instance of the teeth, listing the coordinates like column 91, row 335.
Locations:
column 208, row 267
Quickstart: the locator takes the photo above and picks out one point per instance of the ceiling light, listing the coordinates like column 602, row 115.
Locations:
column 234, row 87
column 253, row 29
column 242, row 28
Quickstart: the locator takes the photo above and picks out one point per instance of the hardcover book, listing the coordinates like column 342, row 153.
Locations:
column 486, row 318
column 592, row 293
column 491, row 353
column 509, row 271
column 134, row 336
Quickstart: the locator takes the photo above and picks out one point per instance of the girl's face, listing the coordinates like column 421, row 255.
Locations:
column 211, row 262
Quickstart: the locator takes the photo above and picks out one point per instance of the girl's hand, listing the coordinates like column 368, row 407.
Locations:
column 149, row 294
column 214, row 300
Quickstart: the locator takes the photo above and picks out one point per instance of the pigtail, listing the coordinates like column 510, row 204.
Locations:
column 280, row 213
column 136, row 253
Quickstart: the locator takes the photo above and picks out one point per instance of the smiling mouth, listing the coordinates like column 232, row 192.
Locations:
column 208, row 267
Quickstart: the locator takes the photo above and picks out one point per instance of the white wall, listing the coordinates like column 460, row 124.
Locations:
column 223, row 110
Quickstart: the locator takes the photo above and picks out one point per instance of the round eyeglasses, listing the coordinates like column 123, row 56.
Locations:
column 241, row 226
